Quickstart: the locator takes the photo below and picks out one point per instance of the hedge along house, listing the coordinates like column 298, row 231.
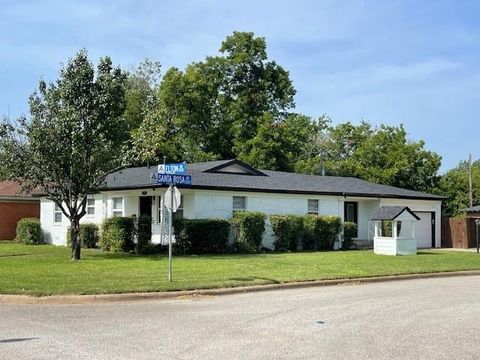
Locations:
column 221, row 187
column 14, row 206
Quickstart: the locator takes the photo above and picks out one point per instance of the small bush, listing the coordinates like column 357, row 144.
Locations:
column 201, row 236
column 144, row 234
column 320, row 232
column 288, row 231
column 29, row 231
column 248, row 227
column 349, row 232
column 117, row 234
column 88, row 234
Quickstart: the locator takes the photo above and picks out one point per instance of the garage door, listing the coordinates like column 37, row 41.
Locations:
column 423, row 230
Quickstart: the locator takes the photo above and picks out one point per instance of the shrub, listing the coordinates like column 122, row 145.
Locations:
column 248, row 227
column 320, row 232
column 349, row 232
column 288, row 231
column 201, row 236
column 144, row 234
column 29, row 231
column 117, row 234
column 88, row 234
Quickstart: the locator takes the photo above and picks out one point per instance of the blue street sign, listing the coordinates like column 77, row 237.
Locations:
column 175, row 168
column 174, row 179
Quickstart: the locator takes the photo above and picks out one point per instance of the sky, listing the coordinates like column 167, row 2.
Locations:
column 386, row 62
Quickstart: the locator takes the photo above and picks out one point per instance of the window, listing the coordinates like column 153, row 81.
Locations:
column 313, row 206
column 178, row 215
column 57, row 214
column 117, row 208
column 90, row 206
column 239, row 203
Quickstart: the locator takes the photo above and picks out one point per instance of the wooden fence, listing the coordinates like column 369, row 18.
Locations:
column 458, row 233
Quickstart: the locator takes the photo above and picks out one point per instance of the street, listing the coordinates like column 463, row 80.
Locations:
column 413, row 319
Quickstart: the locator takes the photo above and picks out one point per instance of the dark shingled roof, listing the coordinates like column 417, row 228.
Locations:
column 392, row 212
column 265, row 181
column 473, row 209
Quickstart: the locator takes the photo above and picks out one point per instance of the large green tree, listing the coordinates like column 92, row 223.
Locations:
column 141, row 85
column 383, row 155
column 212, row 108
column 454, row 185
column 72, row 139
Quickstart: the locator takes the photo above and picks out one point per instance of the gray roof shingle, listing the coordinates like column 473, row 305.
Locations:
column 275, row 181
column 391, row 213
column 473, row 209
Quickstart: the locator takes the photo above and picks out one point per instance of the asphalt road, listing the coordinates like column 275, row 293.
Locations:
column 413, row 319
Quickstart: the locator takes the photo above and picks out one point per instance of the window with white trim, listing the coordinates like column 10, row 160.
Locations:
column 57, row 214
column 117, row 206
column 90, row 206
column 239, row 203
column 312, row 206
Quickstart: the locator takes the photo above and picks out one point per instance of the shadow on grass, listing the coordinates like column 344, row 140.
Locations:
column 123, row 256
column 156, row 257
column 12, row 255
column 428, row 253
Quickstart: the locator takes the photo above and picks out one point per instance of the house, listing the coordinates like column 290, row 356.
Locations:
column 221, row 187
column 15, row 205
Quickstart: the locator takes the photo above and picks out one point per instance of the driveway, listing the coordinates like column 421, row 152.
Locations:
column 413, row 319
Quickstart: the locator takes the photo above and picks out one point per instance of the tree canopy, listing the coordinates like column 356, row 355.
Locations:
column 73, row 138
column 212, row 108
column 383, row 155
column 454, row 185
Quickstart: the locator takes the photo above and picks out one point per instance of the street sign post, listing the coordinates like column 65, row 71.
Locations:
column 172, row 174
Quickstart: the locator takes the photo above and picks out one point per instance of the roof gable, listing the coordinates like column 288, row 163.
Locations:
column 235, row 167
column 394, row 212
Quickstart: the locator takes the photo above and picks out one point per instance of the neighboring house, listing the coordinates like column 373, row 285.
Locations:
column 14, row 206
column 221, row 187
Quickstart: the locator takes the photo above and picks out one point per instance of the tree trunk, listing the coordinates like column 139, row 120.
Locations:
column 74, row 231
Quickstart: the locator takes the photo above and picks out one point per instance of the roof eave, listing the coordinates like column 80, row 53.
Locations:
column 301, row 192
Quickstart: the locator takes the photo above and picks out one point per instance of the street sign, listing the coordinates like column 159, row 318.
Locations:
column 172, row 174
column 175, row 168
column 174, row 179
column 173, row 202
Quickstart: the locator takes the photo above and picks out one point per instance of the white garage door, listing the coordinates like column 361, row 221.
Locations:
column 423, row 230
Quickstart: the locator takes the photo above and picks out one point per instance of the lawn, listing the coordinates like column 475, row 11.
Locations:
column 46, row 269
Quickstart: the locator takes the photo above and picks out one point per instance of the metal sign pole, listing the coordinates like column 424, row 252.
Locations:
column 170, row 233
column 477, row 221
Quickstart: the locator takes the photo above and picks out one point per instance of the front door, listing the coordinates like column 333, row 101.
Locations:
column 146, row 206
column 351, row 212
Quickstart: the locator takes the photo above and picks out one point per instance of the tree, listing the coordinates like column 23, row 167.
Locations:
column 454, row 185
column 383, row 155
column 277, row 143
column 142, row 83
column 73, row 138
column 214, row 107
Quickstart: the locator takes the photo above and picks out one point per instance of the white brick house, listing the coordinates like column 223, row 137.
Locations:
column 220, row 187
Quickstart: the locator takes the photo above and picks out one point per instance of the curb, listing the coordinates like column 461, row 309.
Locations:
column 168, row 295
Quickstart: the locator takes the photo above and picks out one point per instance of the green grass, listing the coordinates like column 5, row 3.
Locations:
column 46, row 269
